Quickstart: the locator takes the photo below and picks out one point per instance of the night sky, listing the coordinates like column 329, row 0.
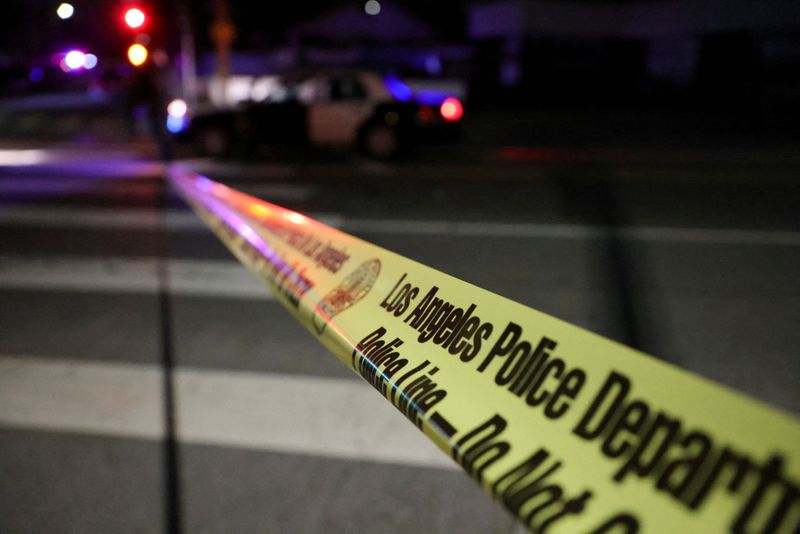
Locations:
column 29, row 28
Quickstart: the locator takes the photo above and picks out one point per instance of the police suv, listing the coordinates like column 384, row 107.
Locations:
column 362, row 110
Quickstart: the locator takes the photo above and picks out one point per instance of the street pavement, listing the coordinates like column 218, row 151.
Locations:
column 692, row 256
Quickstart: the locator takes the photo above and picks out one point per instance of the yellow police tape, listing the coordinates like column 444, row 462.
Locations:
column 570, row 431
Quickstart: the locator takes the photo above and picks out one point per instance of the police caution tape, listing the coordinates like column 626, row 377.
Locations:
column 570, row 431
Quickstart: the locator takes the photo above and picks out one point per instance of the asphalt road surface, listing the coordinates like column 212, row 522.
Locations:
column 693, row 256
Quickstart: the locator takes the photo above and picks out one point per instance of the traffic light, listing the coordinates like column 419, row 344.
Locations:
column 134, row 17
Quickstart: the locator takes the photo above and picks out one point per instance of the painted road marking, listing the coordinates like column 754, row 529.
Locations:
column 218, row 278
column 575, row 231
column 184, row 220
column 283, row 413
column 124, row 218
column 19, row 158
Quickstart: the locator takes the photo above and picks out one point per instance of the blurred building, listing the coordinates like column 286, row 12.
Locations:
column 391, row 40
column 726, row 51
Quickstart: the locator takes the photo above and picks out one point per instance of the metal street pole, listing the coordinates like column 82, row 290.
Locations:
column 188, row 58
column 223, row 32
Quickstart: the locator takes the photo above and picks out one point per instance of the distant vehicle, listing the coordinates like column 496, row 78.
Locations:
column 356, row 109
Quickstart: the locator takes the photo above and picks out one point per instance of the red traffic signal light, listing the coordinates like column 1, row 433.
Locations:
column 134, row 17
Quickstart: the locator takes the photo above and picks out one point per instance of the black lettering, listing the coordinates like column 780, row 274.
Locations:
column 408, row 296
column 768, row 475
column 483, row 332
column 790, row 496
column 418, row 314
column 662, row 425
column 569, row 387
column 476, row 457
column 726, row 457
column 532, row 365
column 394, row 366
column 633, row 417
column 572, row 506
column 458, row 332
column 366, row 342
column 679, row 474
column 557, row 366
column 514, row 490
column 518, row 356
column 616, row 383
column 436, row 320
column 504, row 344
column 385, row 302
column 403, row 378
column 466, row 332
column 450, row 323
column 430, row 400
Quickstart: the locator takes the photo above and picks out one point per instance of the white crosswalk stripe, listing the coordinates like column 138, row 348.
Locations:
column 125, row 218
column 295, row 414
column 221, row 278
column 143, row 219
column 117, row 219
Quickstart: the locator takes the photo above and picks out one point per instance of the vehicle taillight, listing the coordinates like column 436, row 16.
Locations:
column 451, row 109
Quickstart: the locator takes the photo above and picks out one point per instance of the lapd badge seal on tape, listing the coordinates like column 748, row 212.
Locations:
column 352, row 289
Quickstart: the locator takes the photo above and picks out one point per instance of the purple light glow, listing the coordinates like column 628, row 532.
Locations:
column 242, row 222
column 398, row 89
column 204, row 184
column 230, row 218
column 430, row 97
column 75, row 59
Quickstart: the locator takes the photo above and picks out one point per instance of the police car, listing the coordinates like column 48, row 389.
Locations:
column 362, row 110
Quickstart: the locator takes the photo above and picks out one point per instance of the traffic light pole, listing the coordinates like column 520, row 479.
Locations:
column 223, row 32
column 188, row 60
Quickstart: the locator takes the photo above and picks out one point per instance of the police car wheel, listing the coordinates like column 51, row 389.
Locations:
column 380, row 141
column 215, row 142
